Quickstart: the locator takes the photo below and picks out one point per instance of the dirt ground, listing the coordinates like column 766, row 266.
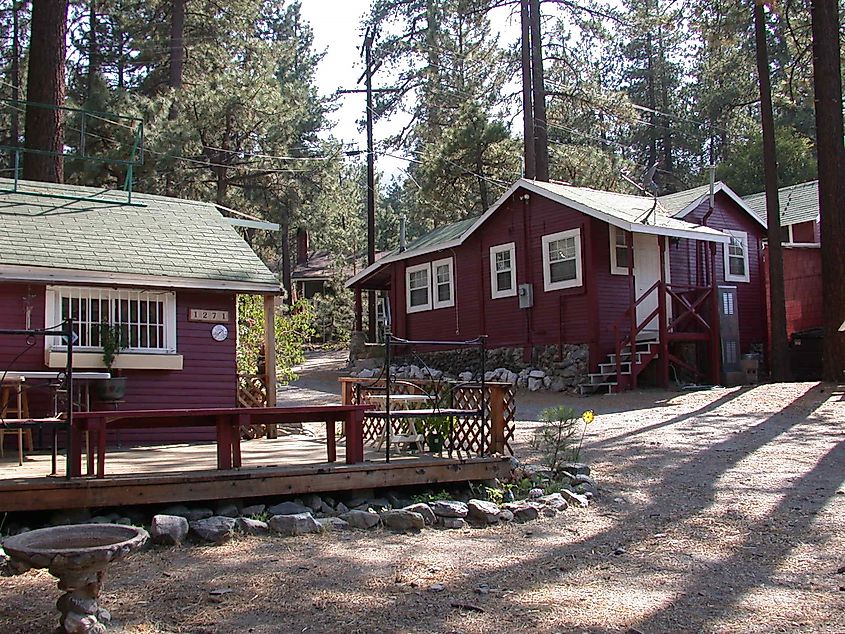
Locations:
column 719, row 511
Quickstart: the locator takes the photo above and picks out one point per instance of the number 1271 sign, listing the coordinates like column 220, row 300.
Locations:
column 202, row 314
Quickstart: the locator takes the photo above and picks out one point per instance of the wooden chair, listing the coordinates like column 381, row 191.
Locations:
column 14, row 404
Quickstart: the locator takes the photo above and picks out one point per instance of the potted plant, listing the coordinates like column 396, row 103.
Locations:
column 113, row 339
column 437, row 429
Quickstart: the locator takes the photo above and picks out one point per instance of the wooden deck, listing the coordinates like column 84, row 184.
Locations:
column 288, row 465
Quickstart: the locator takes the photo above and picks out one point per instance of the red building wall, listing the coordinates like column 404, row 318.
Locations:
column 802, row 280
column 805, row 232
column 686, row 259
column 208, row 377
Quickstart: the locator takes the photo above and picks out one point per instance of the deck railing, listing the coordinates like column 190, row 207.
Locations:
column 468, row 435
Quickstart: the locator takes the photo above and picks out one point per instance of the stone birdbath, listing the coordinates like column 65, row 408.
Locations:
column 78, row 555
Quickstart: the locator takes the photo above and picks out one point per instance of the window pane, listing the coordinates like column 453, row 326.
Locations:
column 561, row 249
column 622, row 257
column 419, row 279
column 443, row 292
column 503, row 281
column 419, row 297
column 443, row 273
column 737, row 266
column 503, row 261
column 561, row 271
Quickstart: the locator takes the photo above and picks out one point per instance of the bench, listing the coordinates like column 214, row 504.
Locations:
column 226, row 420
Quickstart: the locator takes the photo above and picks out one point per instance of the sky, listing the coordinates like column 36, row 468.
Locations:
column 336, row 25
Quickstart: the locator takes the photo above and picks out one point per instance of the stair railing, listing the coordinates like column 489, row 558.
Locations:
column 634, row 329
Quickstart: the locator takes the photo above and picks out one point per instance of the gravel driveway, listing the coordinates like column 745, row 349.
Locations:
column 719, row 511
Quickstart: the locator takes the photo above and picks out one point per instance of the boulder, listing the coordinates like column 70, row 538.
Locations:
column 402, row 520
column 288, row 508
column 453, row 522
column 575, row 499
column 361, row 519
column 535, row 385
column 536, row 374
column 505, row 515
column 314, row 502
column 449, row 508
column 333, row 524
column 228, row 509
column 465, row 376
column 294, row 524
column 252, row 510
column 523, row 511
column 170, row 530
column 424, row 510
column 577, row 468
column 250, row 526
column 482, row 512
column 555, row 501
column 216, row 529
column 199, row 513
column 341, row 508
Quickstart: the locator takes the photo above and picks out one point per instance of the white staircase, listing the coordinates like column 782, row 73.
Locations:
column 606, row 379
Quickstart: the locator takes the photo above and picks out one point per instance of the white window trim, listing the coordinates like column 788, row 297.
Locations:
column 548, row 285
column 165, row 358
column 408, row 272
column 615, row 269
column 743, row 236
column 495, row 293
column 433, row 277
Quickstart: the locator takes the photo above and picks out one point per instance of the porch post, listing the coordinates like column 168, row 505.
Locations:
column 359, row 309
column 715, row 330
column 270, row 356
column 632, row 308
column 661, row 315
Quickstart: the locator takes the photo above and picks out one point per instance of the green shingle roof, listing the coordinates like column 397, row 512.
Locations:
column 798, row 203
column 187, row 241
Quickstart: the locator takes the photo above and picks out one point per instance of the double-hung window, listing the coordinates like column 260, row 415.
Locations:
column 146, row 318
column 418, row 287
column 620, row 255
column 562, row 260
column 444, row 286
column 430, row 285
column 503, row 270
column 736, row 257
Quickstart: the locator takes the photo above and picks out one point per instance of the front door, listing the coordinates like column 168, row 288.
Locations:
column 646, row 273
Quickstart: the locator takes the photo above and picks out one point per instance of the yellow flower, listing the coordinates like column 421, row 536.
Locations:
column 588, row 416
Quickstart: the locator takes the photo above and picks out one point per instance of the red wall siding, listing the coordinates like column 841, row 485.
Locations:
column 685, row 269
column 475, row 312
column 802, row 273
column 208, row 377
column 805, row 232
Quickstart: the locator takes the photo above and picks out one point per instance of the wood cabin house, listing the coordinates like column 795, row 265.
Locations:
column 802, row 273
column 164, row 270
column 551, row 264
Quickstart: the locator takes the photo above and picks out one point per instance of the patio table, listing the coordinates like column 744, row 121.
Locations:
column 226, row 420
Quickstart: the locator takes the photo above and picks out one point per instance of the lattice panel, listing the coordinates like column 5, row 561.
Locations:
column 252, row 391
column 467, row 438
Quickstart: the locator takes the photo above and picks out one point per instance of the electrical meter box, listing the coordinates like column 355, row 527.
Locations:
column 526, row 295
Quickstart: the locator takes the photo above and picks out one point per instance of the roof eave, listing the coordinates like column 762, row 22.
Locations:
column 721, row 187
column 49, row 275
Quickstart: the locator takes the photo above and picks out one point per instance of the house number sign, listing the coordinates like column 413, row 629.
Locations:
column 210, row 316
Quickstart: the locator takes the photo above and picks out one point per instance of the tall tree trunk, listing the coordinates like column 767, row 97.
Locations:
column 46, row 85
column 177, row 43
column 779, row 352
column 15, row 75
column 482, row 181
column 541, row 133
column 530, row 167
column 831, row 157
column 652, row 104
column 93, row 50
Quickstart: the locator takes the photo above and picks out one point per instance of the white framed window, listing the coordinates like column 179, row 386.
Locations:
column 562, row 260
column 418, row 287
column 736, row 257
column 444, row 284
column 503, row 270
column 146, row 318
column 619, row 252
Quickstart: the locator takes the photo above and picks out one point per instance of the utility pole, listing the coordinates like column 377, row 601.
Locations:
column 530, row 166
column 371, row 171
column 779, row 353
column 831, row 156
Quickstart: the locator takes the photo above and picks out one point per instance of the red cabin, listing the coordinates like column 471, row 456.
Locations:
column 551, row 264
column 163, row 270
